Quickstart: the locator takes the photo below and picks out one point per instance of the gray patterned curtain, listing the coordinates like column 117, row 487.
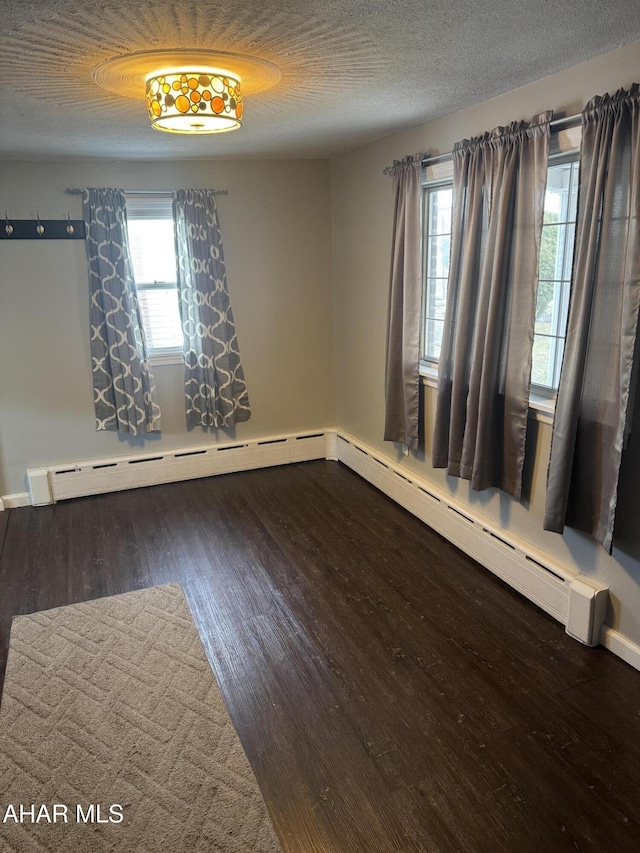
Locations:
column 484, row 375
column 402, row 377
column 215, row 388
column 122, row 382
column 597, row 369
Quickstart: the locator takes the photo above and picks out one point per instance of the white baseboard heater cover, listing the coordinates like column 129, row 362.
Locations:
column 587, row 610
column 39, row 489
column 576, row 601
column 73, row 480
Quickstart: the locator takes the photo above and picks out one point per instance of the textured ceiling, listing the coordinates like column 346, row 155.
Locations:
column 352, row 70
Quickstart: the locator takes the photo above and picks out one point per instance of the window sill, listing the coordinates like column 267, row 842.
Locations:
column 161, row 357
column 429, row 376
column 540, row 408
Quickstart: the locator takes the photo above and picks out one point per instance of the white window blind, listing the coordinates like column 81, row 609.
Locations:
column 151, row 240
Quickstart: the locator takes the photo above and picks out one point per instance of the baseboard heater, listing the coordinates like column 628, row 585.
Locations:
column 74, row 480
column 578, row 602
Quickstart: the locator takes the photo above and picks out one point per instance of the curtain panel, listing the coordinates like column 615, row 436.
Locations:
column 122, row 382
column 402, row 378
column 597, row 370
column 484, row 373
column 215, row 388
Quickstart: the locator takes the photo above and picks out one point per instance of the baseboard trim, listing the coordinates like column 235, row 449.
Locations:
column 621, row 646
column 14, row 501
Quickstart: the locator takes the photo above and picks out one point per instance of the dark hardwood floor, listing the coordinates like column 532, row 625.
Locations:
column 391, row 694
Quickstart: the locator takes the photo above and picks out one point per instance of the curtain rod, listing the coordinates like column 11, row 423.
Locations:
column 79, row 190
column 569, row 121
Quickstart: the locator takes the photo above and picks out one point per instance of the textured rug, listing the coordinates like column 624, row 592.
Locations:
column 114, row 736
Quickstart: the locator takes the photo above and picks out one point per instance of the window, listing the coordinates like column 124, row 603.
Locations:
column 438, row 201
column 151, row 242
column 554, row 273
column 556, row 257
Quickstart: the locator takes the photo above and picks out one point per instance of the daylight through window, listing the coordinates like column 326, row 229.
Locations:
column 151, row 241
column 437, row 214
column 554, row 273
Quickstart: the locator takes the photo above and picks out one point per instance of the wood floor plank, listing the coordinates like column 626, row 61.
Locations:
column 392, row 695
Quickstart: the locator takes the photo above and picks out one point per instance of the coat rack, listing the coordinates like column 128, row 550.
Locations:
column 60, row 229
column 42, row 229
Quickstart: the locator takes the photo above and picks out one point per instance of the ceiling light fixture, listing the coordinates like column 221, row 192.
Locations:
column 189, row 91
column 194, row 101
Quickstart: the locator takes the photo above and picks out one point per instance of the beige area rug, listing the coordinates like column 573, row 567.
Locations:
column 112, row 703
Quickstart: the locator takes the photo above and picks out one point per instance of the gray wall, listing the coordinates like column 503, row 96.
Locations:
column 277, row 240
column 361, row 217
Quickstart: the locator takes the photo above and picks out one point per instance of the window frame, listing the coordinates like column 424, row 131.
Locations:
column 541, row 398
column 155, row 205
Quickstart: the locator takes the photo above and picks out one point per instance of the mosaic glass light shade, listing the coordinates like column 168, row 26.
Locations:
column 194, row 102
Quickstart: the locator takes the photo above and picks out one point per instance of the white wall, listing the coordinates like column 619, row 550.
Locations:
column 277, row 241
column 361, row 218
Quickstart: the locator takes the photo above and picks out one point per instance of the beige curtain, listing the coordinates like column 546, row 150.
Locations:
column 402, row 381
column 595, row 384
column 485, row 363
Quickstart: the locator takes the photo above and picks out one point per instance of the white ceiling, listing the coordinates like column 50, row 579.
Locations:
column 352, row 70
